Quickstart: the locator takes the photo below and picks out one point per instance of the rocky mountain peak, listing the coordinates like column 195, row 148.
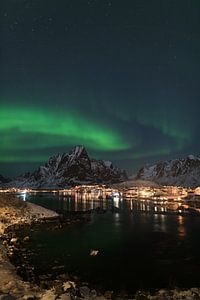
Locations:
column 75, row 167
column 183, row 172
column 79, row 151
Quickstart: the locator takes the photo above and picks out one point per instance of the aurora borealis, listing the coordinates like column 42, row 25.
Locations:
column 120, row 77
column 53, row 129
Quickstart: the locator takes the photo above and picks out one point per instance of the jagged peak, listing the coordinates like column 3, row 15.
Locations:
column 182, row 171
column 190, row 156
column 108, row 163
column 193, row 157
column 72, row 168
column 171, row 161
column 78, row 150
column 53, row 160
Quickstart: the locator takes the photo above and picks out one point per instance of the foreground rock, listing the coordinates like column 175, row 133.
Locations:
column 166, row 294
column 71, row 169
column 180, row 172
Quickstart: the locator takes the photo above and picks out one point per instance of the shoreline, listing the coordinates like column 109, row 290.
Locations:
column 14, row 214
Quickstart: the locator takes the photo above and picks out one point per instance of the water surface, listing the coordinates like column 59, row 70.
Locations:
column 138, row 247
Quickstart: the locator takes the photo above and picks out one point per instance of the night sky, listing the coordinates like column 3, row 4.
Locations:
column 120, row 77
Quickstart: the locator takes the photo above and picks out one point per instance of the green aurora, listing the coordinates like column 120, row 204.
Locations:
column 171, row 127
column 26, row 131
column 30, row 128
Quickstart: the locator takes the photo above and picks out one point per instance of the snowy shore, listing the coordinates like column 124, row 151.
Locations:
column 16, row 212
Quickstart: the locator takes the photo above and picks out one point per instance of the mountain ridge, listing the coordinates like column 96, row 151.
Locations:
column 181, row 172
column 69, row 169
column 4, row 179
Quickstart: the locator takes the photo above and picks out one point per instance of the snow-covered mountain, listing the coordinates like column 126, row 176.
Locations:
column 181, row 172
column 69, row 169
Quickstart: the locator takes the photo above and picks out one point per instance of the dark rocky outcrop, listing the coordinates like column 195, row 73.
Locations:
column 4, row 179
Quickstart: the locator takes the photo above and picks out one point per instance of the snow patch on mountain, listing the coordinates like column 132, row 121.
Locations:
column 181, row 172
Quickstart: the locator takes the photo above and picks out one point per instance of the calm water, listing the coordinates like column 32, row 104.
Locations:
column 137, row 249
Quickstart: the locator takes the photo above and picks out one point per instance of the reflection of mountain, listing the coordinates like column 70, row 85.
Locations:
column 182, row 172
column 70, row 169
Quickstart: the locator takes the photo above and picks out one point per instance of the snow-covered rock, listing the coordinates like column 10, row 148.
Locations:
column 71, row 168
column 181, row 172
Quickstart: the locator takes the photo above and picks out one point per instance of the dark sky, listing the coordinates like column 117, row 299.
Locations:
column 120, row 77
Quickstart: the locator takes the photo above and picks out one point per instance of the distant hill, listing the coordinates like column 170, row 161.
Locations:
column 70, row 169
column 180, row 172
column 4, row 179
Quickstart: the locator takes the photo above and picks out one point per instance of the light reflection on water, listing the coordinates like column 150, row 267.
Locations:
column 181, row 226
column 138, row 246
column 66, row 203
column 80, row 203
column 160, row 222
